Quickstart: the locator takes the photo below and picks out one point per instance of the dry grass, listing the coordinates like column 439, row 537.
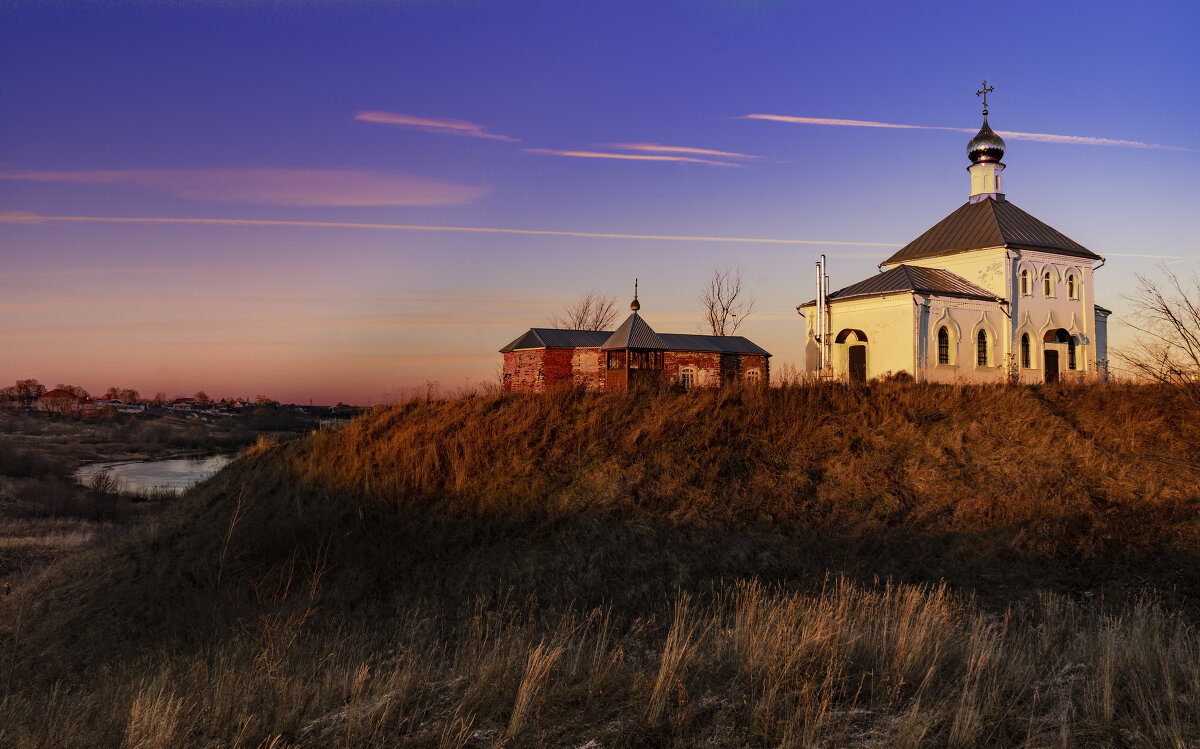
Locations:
column 935, row 459
column 886, row 666
column 900, row 566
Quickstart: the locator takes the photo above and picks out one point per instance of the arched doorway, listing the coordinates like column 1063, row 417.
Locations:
column 1051, row 344
column 856, row 353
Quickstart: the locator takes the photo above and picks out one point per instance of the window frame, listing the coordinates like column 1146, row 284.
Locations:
column 1072, row 355
column 982, row 349
column 687, row 377
column 1026, row 352
column 1024, row 282
column 1047, row 284
column 1072, row 287
column 943, row 346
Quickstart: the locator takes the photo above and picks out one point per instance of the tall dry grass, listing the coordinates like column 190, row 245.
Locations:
column 652, row 569
column 892, row 665
column 1079, row 470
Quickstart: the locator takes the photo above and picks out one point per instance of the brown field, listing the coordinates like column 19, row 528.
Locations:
column 903, row 565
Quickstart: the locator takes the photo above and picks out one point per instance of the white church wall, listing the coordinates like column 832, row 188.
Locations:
column 887, row 323
column 1033, row 312
column 1036, row 313
column 962, row 319
column 985, row 268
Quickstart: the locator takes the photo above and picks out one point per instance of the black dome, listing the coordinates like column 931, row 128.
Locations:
column 985, row 146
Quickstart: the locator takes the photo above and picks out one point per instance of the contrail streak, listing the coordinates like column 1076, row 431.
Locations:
column 1075, row 140
column 13, row 218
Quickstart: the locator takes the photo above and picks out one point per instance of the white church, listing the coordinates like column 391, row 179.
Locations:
column 989, row 294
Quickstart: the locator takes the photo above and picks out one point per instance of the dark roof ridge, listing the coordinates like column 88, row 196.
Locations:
column 635, row 332
column 990, row 222
column 903, row 278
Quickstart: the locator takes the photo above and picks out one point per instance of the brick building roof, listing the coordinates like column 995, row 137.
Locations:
column 635, row 333
column 558, row 338
column 724, row 344
column 536, row 338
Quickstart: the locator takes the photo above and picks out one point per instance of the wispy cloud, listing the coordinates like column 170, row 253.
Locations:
column 631, row 156
column 659, row 148
column 1075, row 140
column 301, row 187
column 22, row 217
column 441, row 126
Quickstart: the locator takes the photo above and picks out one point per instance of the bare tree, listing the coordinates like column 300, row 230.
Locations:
column 725, row 302
column 591, row 311
column 1167, row 317
column 28, row 391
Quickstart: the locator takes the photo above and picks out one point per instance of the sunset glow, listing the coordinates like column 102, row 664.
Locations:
column 344, row 202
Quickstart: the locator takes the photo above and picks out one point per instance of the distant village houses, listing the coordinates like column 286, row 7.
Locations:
column 64, row 401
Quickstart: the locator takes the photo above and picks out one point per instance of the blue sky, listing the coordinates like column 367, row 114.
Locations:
column 461, row 114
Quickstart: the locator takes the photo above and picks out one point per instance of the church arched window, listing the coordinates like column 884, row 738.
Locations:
column 943, row 346
column 981, row 349
column 1047, row 284
column 1024, row 282
column 1025, row 357
column 1071, row 354
column 1071, row 286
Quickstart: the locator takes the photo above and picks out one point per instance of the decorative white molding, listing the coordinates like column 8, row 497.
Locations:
column 948, row 321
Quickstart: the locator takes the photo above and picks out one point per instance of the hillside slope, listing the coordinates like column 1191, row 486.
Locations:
column 419, row 516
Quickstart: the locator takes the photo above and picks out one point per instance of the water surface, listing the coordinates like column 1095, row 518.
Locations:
column 173, row 474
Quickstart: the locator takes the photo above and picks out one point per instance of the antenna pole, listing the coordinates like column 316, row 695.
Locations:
column 820, row 321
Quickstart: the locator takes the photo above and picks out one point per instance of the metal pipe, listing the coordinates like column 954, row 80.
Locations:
column 817, row 328
column 828, row 322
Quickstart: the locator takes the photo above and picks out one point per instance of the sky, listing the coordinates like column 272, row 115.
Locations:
column 349, row 201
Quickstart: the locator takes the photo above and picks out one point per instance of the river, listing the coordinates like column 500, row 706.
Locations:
column 171, row 474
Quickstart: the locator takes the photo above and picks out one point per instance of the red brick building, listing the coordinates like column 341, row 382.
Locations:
column 632, row 355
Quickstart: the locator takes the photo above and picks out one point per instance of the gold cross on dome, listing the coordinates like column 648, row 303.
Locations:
column 984, row 92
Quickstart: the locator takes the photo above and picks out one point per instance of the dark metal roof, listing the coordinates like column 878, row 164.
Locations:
column 556, row 338
column 1102, row 310
column 989, row 223
column 908, row 279
column 724, row 344
column 634, row 333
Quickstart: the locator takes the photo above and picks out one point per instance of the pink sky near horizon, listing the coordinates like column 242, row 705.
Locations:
column 343, row 202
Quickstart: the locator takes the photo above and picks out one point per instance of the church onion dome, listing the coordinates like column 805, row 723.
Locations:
column 986, row 146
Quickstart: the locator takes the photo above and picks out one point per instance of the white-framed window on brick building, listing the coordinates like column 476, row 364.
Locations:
column 687, row 377
column 753, row 376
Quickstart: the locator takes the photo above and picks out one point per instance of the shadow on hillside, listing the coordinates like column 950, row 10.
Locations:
column 430, row 511
column 176, row 587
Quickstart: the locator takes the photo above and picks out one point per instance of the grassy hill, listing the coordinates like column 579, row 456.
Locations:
column 892, row 566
